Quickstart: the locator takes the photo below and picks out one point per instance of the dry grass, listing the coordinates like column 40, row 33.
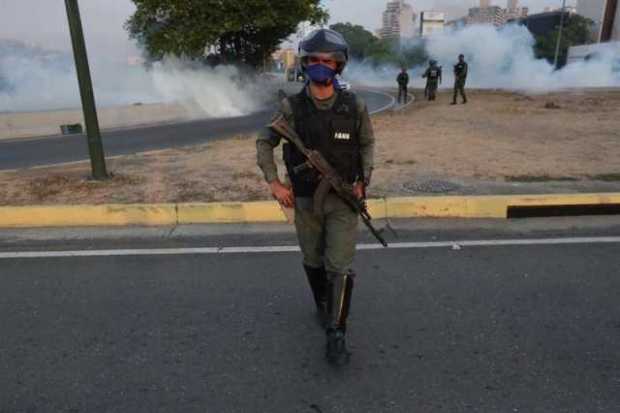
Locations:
column 498, row 136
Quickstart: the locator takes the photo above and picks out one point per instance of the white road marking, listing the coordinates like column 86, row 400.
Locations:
column 454, row 245
column 386, row 107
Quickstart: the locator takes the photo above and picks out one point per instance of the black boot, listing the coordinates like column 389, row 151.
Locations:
column 337, row 353
column 340, row 289
column 317, row 278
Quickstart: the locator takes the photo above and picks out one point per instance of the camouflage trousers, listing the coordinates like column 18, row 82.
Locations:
column 327, row 240
column 431, row 89
column 459, row 87
column 403, row 95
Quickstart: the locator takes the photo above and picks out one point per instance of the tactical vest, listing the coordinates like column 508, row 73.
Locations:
column 433, row 74
column 334, row 133
column 459, row 69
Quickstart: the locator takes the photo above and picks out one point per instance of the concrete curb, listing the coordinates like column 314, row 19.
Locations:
column 269, row 211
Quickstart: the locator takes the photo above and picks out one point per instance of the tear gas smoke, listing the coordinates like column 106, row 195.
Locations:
column 34, row 80
column 502, row 59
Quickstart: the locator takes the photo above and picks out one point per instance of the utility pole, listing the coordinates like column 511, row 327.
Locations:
column 557, row 46
column 95, row 147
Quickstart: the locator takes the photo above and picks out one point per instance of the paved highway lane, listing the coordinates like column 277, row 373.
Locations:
column 489, row 328
column 24, row 153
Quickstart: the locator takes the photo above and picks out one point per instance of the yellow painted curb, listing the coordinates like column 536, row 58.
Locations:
column 377, row 208
column 566, row 199
column 492, row 206
column 230, row 212
column 87, row 215
column 269, row 211
column 447, row 207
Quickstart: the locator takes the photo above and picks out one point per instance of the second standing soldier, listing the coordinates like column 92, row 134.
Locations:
column 433, row 79
column 403, row 82
column 460, row 77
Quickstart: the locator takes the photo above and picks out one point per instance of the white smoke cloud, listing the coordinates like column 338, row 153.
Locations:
column 34, row 80
column 502, row 59
column 218, row 92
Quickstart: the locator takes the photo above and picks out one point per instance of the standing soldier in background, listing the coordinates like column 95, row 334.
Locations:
column 433, row 79
column 335, row 123
column 403, row 82
column 460, row 76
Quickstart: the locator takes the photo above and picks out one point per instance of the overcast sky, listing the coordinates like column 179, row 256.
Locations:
column 44, row 22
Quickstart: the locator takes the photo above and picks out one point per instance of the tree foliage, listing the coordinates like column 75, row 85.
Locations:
column 576, row 31
column 242, row 31
column 361, row 41
column 365, row 46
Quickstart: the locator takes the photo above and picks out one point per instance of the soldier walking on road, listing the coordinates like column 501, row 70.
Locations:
column 403, row 82
column 336, row 123
column 460, row 77
column 433, row 79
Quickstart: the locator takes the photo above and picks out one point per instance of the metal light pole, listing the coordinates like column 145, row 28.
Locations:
column 557, row 46
column 95, row 147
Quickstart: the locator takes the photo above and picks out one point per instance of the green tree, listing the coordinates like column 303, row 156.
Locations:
column 365, row 46
column 576, row 31
column 361, row 41
column 243, row 31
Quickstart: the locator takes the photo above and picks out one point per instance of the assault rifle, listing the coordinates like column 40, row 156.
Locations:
column 329, row 177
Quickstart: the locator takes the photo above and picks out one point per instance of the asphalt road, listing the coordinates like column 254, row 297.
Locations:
column 25, row 153
column 494, row 328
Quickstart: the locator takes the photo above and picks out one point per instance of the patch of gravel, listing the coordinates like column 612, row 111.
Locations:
column 432, row 186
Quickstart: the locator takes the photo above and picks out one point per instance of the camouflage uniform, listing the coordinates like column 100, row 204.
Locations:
column 460, row 77
column 403, row 82
column 433, row 78
column 329, row 240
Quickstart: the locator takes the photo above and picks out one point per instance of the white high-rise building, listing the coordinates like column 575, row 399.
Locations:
column 398, row 21
column 513, row 11
column 487, row 15
column 431, row 22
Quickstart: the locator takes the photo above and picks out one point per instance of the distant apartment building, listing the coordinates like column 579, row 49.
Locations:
column 488, row 14
column 513, row 11
column 398, row 21
column 431, row 22
column 494, row 15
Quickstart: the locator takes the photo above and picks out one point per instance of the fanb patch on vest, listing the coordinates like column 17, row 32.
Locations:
column 345, row 136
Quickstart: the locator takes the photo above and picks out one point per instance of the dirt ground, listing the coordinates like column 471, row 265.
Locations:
column 499, row 136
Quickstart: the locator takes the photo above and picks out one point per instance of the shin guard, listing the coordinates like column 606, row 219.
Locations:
column 339, row 299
